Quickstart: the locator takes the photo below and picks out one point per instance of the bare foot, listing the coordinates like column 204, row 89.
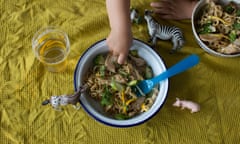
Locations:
column 174, row 9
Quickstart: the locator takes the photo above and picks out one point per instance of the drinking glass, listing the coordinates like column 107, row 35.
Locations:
column 51, row 47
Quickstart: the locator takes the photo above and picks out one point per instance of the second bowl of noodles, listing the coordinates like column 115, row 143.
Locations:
column 109, row 98
column 216, row 27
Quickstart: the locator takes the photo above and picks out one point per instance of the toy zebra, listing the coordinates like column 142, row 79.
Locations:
column 163, row 32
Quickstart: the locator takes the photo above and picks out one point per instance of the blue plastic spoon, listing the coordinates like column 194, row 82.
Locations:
column 145, row 86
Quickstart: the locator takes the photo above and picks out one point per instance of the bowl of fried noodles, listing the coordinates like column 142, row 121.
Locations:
column 109, row 97
column 216, row 27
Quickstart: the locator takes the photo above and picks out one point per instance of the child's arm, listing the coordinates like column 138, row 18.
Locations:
column 120, row 38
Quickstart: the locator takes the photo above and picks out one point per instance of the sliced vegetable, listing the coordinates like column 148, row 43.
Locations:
column 229, row 9
column 124, row 107
column 123, row 73
column 125, row 103
column 148, row 73
column 121, row 116
column 132, row 83
column 106, row 97
column 206, row 28
column 236, row 26
column 117, row 86
column 102, row 70
column 99, row 59
column 218, row 18
column 144, row 108
column 233, row 36
column 238, row 12
column 134, row 53
column 130, row 101
column 123, row 97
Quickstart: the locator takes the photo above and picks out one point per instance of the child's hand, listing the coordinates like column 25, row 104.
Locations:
column 174, row 9
column 120, row 38
column 119, row 43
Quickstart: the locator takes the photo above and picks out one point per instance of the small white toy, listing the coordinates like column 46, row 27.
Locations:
column 194, row 107
column 134, row 16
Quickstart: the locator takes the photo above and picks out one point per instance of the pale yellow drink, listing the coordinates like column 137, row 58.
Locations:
column 51, row 46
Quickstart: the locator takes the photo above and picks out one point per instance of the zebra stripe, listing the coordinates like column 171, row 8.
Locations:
column 164, row 32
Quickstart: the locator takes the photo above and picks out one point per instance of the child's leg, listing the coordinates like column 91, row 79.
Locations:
column 174, row 9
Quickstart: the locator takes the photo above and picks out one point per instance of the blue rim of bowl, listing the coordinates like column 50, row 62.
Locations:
column 96, row 118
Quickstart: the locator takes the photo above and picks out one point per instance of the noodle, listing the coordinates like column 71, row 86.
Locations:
column 219, row 27
column 111, row 85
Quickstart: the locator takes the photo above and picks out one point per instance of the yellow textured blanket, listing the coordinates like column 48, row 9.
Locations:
column 24, row 83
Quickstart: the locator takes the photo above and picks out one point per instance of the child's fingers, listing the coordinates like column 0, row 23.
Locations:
column 122, row 58
column 156, row 4
column 166, row 16
column 161, row 4
column 161, row 7
column 161, row 11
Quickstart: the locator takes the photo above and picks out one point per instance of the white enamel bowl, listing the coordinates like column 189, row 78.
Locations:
column 94, row 109
column 195, row 15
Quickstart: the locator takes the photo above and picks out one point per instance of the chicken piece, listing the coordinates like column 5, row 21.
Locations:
column 137, row 61
column 230, row 49
column 136, row 106
column 119, row 78
column 110, row 63
column 212, row 37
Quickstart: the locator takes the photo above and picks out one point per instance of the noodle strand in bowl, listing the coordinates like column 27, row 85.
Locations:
column 110, row 84
column 219, row 27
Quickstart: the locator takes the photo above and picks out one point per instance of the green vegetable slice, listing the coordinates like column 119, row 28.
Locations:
column 106, row 97
column 99, row 59
column 117, row 86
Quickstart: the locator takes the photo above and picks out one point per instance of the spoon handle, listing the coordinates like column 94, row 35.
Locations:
column 181, row 66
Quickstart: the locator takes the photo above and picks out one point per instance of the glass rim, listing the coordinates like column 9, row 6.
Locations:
column 49, row 29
